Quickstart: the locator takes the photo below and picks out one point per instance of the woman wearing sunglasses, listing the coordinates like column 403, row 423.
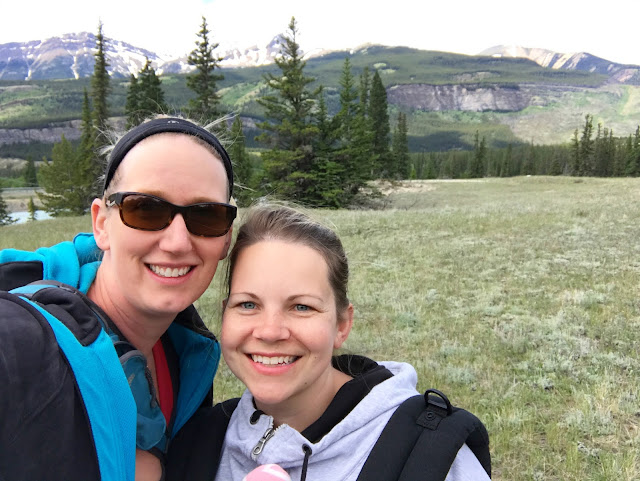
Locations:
column 73, row 407
column 318, row 416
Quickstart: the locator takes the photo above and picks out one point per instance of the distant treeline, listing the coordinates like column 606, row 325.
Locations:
column 594, row 154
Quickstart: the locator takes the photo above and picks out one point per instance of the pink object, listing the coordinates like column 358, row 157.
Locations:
column 267, row 472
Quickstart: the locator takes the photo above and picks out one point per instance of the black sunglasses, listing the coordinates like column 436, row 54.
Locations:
column 148, row 212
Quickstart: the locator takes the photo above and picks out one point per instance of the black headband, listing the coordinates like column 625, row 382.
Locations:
column 157, row 126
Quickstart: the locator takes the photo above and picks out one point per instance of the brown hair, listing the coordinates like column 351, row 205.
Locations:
column 269, row 221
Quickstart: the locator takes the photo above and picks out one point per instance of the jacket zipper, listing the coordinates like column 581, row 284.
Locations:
column 263, row 440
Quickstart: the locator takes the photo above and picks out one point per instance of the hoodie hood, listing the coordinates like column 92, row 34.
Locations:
column 333, row 456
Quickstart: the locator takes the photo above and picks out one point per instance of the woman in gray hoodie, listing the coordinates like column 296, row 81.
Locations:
column 316, row 415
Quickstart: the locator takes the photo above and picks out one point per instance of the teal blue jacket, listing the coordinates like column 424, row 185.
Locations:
column 43, row 402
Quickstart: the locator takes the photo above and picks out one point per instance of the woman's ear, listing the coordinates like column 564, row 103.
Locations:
column 345, row 323
column 227, row 244
column 98, row 221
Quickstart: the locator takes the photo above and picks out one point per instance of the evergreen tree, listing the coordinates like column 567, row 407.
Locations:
column 506, row 170
column 529, row 162
column 151, row 97
column 365, row 86
column 5, row 218
column 86, row 156
column 586, row 148
column 29, row 174
column 291, row 164
column 353, row 153
column 475, row 168
column 400, row 148
column 576, row 164
column 331, row 173
column 100, row 89
column 431, row 170
column 204, row 81
column 379, row 116
column 630, row 163
column 349, row 107
column 242, row 168
column 62, row 179
column 132, row 104
column 31, row 207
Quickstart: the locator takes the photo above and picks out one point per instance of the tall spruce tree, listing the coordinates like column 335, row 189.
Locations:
column 5, row 218
column 379, row 117
column 576, row 161
column 63, row 180
column 354, row 151
column 400, row 148
column 29, row 174
column 132, row 104
column 151, row 96
column 587, row 162
column 31, row 208
column 86, row 155
column 242, row 165
column 291, row 164
column 203, row 82
column 100, row 89
column 330, row 184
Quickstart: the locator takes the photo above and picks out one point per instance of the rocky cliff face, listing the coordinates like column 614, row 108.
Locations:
column 474, row 98
column 51, row 134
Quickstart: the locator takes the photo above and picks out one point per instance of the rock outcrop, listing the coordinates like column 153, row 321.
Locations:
column 50, row 134
column 474, row 98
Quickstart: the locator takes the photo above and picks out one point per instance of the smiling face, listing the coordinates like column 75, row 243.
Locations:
column 280, row 327
column 156, row 274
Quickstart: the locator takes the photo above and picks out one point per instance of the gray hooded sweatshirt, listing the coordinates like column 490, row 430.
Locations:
column 340, row 454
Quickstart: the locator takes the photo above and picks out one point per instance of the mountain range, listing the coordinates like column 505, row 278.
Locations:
column 510, row 94
column 71, row 56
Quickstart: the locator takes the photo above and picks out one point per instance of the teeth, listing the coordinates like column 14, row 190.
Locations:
column 273, row 361
column 168, row 271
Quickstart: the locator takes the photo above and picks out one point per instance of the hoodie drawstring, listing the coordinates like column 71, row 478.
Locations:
column 305, row 463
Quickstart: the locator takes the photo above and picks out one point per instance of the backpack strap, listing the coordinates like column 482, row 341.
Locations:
column 111, row 417
column 422, row 439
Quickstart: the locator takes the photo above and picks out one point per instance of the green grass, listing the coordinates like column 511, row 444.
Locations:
column 516, row 297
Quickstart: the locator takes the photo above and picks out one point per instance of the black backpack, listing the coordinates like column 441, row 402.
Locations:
column 419, row 443
column 422, row 439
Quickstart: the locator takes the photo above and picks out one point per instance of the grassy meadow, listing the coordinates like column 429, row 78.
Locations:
column 516, row 297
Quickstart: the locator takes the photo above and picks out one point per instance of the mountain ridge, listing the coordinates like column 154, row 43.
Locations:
column 71, row 56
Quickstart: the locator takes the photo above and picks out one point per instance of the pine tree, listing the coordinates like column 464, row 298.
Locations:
column 132, row 104
column 365, row 87
column 586, row 148
column 31, row 207
column 349, row 107
column 5, row 218
column 379, row 116
column 475, row 167
column 86, row 156
column 65, row 190
column 242, row 168
column 203, row 82
column 291, row 165
column 353, row 150
column 29, row 174
column 400, row 148
column 151, row 96
column 576, row 163
column 100, row 89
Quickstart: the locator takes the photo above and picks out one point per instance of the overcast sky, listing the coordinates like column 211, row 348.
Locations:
column 606, row 29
